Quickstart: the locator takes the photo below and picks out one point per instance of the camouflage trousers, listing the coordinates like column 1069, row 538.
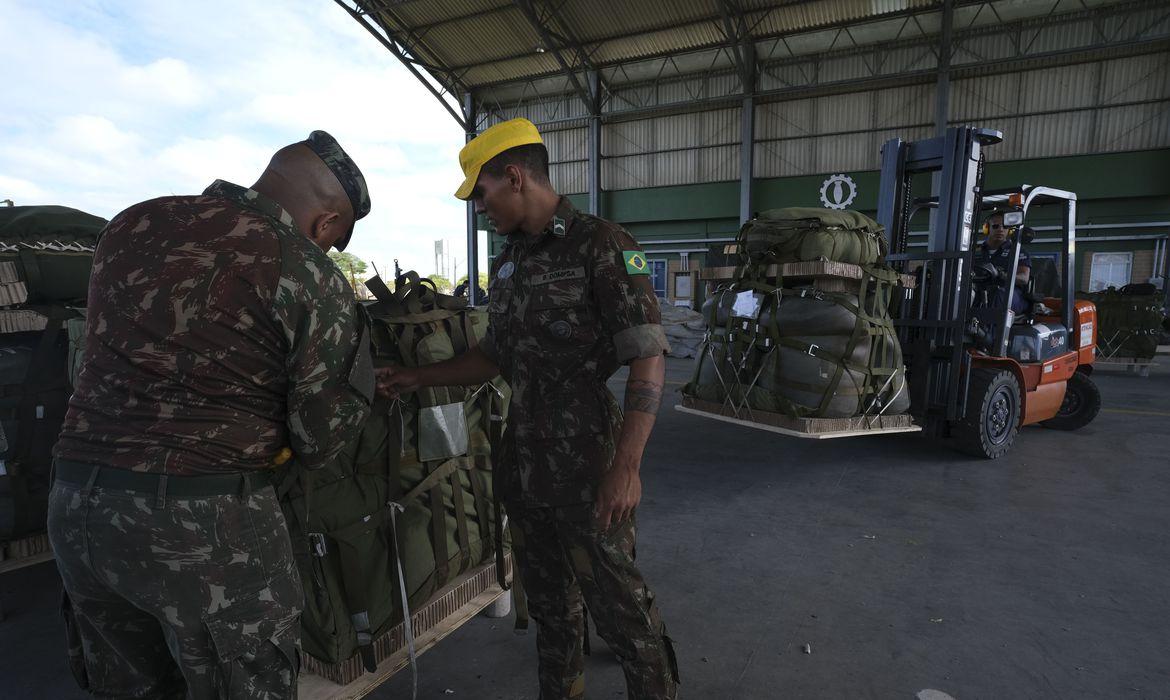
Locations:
column 566, row 562
column 168, row 597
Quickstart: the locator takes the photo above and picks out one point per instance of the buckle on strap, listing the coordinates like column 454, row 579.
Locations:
column 317, row 544
column 812, row 348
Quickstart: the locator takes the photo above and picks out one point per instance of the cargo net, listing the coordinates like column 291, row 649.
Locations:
column 783, row 345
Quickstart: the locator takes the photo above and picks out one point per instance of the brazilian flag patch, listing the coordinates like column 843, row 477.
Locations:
column 635, row 262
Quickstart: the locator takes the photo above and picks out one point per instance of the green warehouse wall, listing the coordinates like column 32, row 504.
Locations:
column 1112, row 189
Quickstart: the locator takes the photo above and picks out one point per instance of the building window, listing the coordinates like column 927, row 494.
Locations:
column 658, row 277
column 1110, row 270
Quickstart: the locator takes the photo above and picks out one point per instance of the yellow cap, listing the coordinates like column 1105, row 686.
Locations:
column 488, row 145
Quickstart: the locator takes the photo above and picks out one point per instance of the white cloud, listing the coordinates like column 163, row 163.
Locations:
column 19, row 190
column 89, row 134
column 110, row 105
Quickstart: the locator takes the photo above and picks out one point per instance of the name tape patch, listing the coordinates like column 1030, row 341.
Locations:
column 569, row 273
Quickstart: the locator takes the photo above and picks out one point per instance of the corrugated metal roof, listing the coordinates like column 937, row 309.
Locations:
column 486, row 42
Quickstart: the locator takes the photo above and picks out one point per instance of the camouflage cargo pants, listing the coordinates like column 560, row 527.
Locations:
column 177, row 597
column 565, row 561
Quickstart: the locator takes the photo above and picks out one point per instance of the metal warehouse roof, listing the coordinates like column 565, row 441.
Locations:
column 470, row 45
column 483, row 42
column 509, row 52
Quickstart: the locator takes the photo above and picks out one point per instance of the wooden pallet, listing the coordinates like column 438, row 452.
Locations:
column 26, row 551
column 448, row 610
column 1134, row 365
column 811, row 428
column 827, row 275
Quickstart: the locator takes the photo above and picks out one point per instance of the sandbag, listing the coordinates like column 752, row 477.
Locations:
column 51, row 248
column 797, row 234
column 413, row 493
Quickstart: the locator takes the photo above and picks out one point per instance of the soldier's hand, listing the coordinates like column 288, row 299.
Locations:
column 392, row 381
column 619, row 493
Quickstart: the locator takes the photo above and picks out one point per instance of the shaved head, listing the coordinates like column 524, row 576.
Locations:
column 309, row 191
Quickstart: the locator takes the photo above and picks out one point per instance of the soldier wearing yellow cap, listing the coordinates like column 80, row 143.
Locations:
column 571, row 301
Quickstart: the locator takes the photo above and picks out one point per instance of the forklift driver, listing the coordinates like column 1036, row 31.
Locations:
column 995, row 250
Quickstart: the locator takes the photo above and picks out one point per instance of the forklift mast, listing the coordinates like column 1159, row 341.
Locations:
column 933, row 317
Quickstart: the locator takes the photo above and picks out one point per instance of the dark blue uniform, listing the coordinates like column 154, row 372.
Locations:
column 1002, row 258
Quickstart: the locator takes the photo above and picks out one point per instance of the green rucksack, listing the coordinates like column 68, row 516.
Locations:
column 49, row 250
column 412, row 497
column 797, row 234
column 802, row 352
column 791, row 348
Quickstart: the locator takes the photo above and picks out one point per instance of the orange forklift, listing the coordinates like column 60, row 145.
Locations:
column 976, row 370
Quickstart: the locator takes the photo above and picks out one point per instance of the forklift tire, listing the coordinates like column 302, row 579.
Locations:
column 1082, row 402
column 993, row 414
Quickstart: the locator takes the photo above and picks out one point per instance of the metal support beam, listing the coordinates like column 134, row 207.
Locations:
column 595, row 145
column 942, row 96
column 528, row 8
column 747, row 126
column 472, row 219
column 401, row 53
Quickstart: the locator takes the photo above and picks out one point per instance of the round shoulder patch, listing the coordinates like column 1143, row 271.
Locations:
column 506, row 270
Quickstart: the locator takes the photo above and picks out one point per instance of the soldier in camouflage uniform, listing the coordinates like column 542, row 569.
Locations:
column 570, row 302
column 220, row 336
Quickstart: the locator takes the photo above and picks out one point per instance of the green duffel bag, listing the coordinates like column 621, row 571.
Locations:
column 51, row 248
column 408, row 507
column 802, row 352
column 797, row 234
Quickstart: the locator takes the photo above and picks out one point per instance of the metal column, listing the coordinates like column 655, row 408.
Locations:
column 595, row 144
column 747, row 134
column 472, row 219
column 747, row 127
column 942, row 91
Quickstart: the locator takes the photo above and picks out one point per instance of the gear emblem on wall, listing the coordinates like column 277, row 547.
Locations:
column 838, row 192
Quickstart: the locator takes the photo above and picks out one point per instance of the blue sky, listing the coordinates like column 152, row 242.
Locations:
column 105, row 104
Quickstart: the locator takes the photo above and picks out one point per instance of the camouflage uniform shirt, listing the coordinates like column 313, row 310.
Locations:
column 217, row 334
column 565, row 313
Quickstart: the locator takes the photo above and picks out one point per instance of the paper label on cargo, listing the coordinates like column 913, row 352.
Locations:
column 1086, row 334
column 747, row 305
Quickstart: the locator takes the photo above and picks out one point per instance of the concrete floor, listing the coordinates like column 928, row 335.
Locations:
column 906, row 567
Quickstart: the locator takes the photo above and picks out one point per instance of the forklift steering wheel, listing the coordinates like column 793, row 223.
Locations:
column 986, row 273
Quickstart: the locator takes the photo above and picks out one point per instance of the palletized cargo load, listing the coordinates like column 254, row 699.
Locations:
column 405, row 518
column 1131, row 321
column 46, row 253
column 812, row 352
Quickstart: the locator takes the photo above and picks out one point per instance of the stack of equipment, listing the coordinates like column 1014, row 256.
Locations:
column 1130, row 318
column 803, row 329
column 46, row 254
column 407, row 509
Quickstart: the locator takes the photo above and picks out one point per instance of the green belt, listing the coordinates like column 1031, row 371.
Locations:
column 92, row 475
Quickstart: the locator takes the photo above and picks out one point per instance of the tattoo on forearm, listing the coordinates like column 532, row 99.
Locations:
column 643, row 396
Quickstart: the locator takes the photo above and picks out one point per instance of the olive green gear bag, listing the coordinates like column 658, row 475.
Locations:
column 49, row 250
column 797, row 234
column 412, row 497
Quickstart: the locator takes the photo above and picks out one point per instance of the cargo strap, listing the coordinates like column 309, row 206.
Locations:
column 407, row 616
column 741, row 349
column 32, row 274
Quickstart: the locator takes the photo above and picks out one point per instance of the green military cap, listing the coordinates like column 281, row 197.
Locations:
column 346, row 172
